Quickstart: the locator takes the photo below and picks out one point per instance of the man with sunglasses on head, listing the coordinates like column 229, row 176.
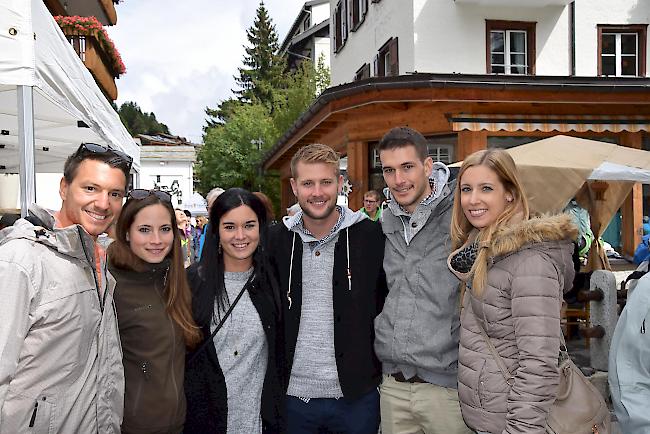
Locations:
column 61, row 360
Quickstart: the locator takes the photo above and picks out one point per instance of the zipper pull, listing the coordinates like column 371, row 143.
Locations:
column 33, row 419
column 643, row 327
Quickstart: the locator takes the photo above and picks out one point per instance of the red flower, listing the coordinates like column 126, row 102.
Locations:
column 90, row 26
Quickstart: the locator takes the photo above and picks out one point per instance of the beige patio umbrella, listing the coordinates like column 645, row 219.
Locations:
column 600, row 175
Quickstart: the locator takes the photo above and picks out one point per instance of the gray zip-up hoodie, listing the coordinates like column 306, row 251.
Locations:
column 60, row 354
column 417, row 332
column 314, row 373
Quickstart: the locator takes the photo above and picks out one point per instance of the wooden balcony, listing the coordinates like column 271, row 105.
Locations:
column 103, row 10
column 97, row 62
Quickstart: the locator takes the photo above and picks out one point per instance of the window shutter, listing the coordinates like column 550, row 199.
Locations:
column 394, row 57
column 375, row 65
column 337, row 27
column 344, row 21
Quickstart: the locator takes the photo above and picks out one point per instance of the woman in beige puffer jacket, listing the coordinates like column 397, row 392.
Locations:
column 515, row 269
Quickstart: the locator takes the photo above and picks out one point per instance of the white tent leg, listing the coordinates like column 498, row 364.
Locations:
column 27, row 172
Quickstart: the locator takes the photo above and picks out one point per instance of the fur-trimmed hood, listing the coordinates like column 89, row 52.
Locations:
column 535, row 230
column 550, row 233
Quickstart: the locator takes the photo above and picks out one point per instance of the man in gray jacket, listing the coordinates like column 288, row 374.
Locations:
column 61, row 360
column 417, row 332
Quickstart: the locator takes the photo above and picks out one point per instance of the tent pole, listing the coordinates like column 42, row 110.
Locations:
column 27, row 172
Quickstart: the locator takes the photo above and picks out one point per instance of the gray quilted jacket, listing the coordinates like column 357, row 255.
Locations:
column 520, row 311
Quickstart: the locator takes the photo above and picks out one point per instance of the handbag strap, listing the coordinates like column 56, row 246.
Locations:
column 507, row 375
column 223, row 319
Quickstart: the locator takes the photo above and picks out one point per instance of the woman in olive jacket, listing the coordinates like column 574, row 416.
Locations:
column 515, row 269
column 153, row 305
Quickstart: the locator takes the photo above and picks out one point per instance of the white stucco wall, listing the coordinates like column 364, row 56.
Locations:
column 322, row 47
column 450, row 37
column 386, row 19
column 47, row 191
column 180, row 171
column 320, row 13
column 443, row 36
column 590, row 13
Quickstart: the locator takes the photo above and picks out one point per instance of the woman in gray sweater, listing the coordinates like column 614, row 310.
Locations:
column 232, row 382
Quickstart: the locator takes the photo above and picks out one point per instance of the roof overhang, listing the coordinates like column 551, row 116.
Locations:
column 379, row 98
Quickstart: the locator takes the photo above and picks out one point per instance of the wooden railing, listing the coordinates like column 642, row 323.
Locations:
column 91, row 54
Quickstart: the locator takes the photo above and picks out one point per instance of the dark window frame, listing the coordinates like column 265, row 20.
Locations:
column 390, row 48
column 363, row 72
column 340, row 23
column 641, row 31
column 503, row 25
column 357, row 13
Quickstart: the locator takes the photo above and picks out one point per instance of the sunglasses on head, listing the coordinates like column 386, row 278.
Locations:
column 94, row 148
column 141, row 193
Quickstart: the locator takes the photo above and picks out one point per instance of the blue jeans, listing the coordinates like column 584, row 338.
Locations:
column 328, row 415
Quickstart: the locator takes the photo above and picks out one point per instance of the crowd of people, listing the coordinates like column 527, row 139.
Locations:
column 390, row 318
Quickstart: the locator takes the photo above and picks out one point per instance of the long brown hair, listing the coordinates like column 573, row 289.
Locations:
column 504, row 166
column 177, row 295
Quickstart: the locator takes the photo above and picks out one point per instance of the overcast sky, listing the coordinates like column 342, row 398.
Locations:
column 181, row 56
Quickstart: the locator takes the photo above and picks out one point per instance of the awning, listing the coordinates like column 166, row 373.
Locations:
column 549, row 123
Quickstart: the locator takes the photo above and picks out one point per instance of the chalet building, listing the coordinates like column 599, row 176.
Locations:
column 309, row 35
column 476, row 74
column 167, row 163
column 97, row 52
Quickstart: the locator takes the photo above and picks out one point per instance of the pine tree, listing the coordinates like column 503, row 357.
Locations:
column 137, row 122
column 263, row 67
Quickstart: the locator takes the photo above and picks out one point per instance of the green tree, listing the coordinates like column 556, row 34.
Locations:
column 263, row 68
column 221, row 114
column 231, row 153
column 322, row 75
column 137, row 122
column 302, row 87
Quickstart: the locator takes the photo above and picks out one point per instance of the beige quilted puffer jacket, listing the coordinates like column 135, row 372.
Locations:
column 520, row 311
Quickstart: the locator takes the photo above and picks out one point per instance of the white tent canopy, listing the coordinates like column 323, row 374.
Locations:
column 197, row 205
column 68, row 107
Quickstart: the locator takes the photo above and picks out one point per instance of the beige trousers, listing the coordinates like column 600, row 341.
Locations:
column 419, row 408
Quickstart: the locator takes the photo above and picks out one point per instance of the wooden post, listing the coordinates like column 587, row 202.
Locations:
column 357, row 153
column 286, row 196
column 470, row 142
column 632, row 209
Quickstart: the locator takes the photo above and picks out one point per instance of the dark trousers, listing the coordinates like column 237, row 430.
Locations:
column 328, row 415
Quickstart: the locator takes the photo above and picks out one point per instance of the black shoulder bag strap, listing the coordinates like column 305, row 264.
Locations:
column 223, row 319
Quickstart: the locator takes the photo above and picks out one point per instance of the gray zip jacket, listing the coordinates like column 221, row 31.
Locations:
column 417, row 332
column 60, row 354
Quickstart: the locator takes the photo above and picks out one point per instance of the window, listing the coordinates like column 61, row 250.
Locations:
column 441, row 148
column 357, row 10
column 307, row 23
column 510, row 47
column 387, row 59
column 622, row 50
column 363, row 72
column 340, row 25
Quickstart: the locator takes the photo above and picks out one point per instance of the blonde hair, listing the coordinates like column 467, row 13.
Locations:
column 316, row 153
column 504, row 166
